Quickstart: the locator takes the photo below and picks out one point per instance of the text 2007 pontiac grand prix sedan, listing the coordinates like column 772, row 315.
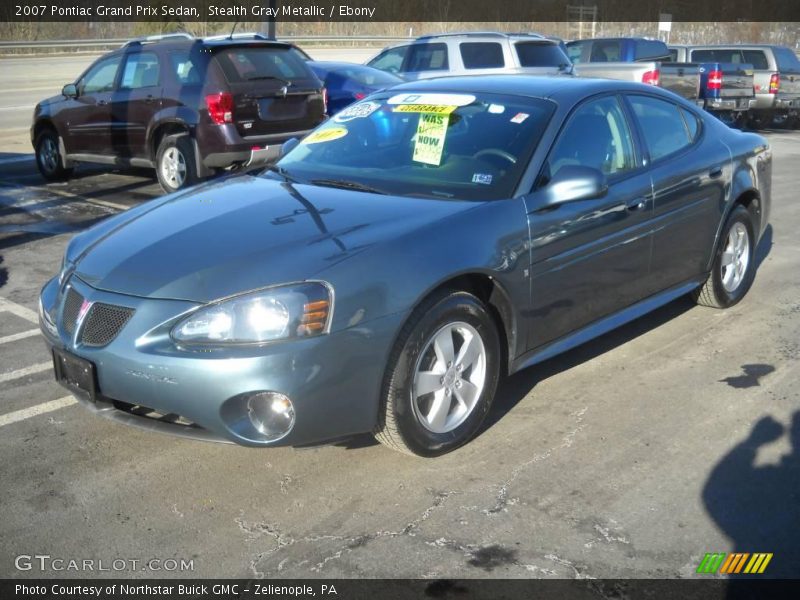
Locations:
column 400, row 258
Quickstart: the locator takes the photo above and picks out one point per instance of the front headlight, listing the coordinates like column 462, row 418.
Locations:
column 278, row 313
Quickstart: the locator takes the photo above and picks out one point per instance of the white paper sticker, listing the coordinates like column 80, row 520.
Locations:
column 440, row 99
column 519, row 117
column 497, row 109
column 356, row 111
column 483, row 178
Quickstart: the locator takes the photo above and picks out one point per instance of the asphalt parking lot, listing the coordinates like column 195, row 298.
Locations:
column 631, row 456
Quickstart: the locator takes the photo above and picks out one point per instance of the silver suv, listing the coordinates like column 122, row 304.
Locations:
column 475, row 53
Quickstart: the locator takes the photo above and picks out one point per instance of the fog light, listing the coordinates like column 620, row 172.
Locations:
column 271, row 414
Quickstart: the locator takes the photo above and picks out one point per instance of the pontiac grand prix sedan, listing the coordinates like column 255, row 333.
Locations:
column 402, row 257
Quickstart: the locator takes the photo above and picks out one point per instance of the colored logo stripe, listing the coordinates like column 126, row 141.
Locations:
column 711, row 562
column 734, row 563
column 758, row 563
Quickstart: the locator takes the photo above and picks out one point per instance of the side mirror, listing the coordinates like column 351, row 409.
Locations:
column 288, row 146
column 70, row 90
column 570, row 184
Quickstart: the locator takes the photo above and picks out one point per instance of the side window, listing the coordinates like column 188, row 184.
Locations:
column 575, row 50
column 606, row 51
column 184, row 68
column 390, row 60
column 597, row 136
column 650, row 50
column 662, row 125
column 100, row 77
column 673, row 55
column 787, row 60
column 141, row 71
column 427, row 57
column 692, row 124
column 482, row 55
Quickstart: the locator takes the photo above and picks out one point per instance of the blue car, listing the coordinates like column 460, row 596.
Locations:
column 350, row 82
column 393, row 265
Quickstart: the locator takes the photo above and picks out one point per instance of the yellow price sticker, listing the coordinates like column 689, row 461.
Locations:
column 431, row 133
column 437, row 109
column 325, row 135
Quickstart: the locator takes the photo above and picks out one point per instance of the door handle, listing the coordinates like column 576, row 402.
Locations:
column 149, row 99
column 637, row 204
column 102, row 102
column 715, row 172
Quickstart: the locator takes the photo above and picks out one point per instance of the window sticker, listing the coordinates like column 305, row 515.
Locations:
column 497, row 109
column 429, row 142
column 325, row 135
column 519, row 117
column 438, row 109
column 435, row 99
column 357, row 111
column 483, row 178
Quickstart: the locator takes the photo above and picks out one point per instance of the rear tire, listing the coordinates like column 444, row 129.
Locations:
column 734, row 266
column 442, row 376
column 175, row 163
column 48, row 156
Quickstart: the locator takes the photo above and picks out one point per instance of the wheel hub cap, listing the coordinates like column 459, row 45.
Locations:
column 735, row 257
column 449, row 377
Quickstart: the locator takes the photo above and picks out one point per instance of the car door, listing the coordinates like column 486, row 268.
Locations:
column 689, row 169
column 134, row 103
column 589, row 258
column 88, row 118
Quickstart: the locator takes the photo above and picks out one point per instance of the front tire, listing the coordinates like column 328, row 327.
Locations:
column 175, row 163
column 48, row 157
column 734, row 266
column 442, row 376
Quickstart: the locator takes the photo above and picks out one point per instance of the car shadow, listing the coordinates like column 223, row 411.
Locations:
column 3, row 273
column 764, row 246
column 758, row 506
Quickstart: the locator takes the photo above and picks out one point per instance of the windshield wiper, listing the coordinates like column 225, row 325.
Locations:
column 347, row 185
column 271, row 77
column 283, row 173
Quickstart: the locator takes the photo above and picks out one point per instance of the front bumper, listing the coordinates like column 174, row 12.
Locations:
column 333, row 381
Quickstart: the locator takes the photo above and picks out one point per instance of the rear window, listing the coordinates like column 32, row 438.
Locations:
column 253, row 63
column 650, row 50
column 718, row 55
column 482, row 55
column 787, row 60
column 426, row 57
column 757, row 58
column 606, row 51
column 533, row 54
column 575, row 50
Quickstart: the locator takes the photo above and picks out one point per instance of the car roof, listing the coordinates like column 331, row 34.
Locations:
column 556, row 88
column 338, row 64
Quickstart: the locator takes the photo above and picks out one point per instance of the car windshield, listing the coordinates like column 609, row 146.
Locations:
column 441, row 145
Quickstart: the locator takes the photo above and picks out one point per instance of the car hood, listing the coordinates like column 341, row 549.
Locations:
column 240, row 234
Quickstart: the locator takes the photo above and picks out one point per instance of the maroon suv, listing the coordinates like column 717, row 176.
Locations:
column 187, row 107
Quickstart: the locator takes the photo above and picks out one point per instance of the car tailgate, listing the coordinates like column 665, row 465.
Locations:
column 271, row 107
column 737, row 80
column 682, row 79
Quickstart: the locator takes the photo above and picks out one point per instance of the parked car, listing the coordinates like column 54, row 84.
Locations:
column 726, row 88
column 186, row 107
column 392, row 265
column 776, row 72
column 634, row 59
column 474, row 53
column 349, row 82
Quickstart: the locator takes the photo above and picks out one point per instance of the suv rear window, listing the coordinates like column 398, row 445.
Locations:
column 606, row 51
column 757, row 58
column 482, row 55
column 426, row 57
column 535, row 54
column 250, row 63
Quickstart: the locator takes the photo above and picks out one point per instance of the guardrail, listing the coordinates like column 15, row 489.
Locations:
column 72, row 45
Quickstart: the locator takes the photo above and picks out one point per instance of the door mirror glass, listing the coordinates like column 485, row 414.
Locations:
column 570, row 184
column 70, row 90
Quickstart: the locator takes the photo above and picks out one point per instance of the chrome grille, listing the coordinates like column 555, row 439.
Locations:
column 103, row 323
column 72, row 306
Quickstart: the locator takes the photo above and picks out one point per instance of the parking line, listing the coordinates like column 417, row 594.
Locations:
column 27, row 413
column 37, row 368
column 19, row 310
column 18, row 336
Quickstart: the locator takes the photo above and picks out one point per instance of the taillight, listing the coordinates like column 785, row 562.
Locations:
column 220, row 107
column 774, row 83
column 714, row 80
column 325, row 100
column 651, row 77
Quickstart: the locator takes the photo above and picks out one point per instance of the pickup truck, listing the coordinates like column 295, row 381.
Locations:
column 634, row 59
column 726, row 88
column 776, row 79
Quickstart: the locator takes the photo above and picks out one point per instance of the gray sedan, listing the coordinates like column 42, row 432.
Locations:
column 404, row 256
